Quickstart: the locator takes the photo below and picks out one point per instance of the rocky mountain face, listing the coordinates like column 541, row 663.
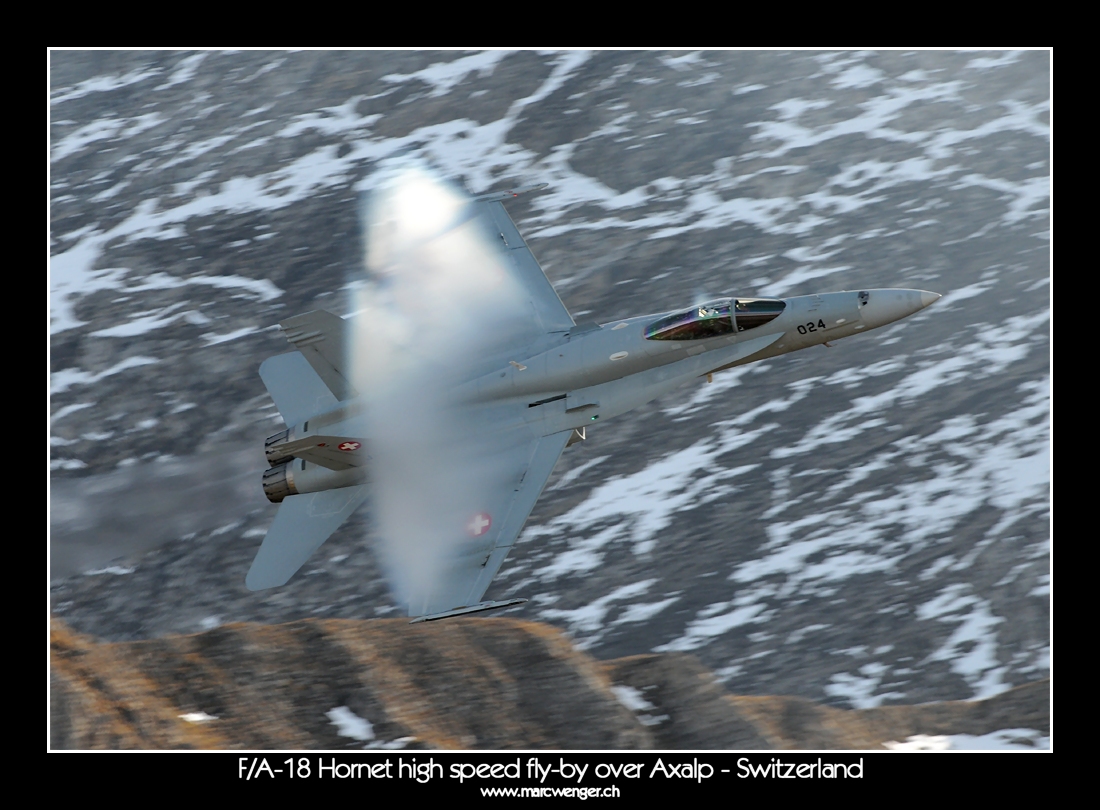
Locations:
column 466, row 684
column 856, row 526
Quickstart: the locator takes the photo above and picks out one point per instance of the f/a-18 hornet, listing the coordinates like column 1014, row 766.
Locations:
column 447, row 398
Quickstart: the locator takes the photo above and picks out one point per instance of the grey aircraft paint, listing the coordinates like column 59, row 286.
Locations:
column 560, row 379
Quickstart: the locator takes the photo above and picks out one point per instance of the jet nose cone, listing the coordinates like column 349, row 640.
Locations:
column 928, row 298
column 881, row 307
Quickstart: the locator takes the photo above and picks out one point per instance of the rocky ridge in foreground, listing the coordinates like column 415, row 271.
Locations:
column 462, row 684
column 856, row 525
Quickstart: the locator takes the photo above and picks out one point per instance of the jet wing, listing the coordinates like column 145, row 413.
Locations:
column 549, row 311
column 474, row 531
column 452, row 293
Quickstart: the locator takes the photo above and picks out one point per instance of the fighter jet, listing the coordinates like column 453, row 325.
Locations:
column 448, row 399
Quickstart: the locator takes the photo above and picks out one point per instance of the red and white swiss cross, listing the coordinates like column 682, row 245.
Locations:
column 347, row 447
column 479, row 524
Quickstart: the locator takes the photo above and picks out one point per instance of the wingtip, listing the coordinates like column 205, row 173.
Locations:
column 500, row 196
column 466, row 611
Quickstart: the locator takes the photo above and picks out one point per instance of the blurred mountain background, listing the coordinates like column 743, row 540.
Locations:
column 857, row 526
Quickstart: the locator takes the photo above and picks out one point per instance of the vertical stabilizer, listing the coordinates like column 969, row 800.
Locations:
column 321, row 338
column 295, row 387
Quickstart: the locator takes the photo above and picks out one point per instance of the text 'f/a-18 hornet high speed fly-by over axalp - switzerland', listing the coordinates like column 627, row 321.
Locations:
column 448, row 395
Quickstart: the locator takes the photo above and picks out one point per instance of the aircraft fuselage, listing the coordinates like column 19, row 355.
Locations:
column 597, row 372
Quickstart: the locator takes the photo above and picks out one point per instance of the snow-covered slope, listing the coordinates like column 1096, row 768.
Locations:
column 860, row 524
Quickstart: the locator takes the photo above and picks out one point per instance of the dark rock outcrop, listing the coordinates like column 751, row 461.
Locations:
column 462, row 684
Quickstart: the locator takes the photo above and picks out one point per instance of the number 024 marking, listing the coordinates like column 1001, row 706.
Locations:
column 810, row 327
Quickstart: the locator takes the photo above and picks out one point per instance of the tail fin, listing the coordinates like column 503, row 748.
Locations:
column 302, row 525
column 297, row 390
column 321, row 337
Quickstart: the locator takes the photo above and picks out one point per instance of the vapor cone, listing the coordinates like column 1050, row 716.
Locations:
column 439, row 308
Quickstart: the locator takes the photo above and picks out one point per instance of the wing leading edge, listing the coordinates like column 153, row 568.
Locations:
column 548, row 307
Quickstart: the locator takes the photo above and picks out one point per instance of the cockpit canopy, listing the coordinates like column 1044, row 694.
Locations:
column 716, row 318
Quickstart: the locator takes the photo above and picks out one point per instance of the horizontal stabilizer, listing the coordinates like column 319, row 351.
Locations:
column 334, row 452
column 463, row 611
column 302, row 524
